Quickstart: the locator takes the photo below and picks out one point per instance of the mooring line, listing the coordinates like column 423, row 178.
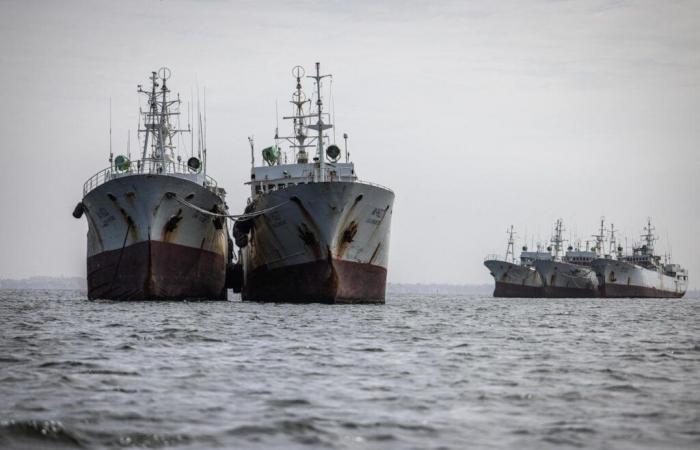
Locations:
column 228, row 216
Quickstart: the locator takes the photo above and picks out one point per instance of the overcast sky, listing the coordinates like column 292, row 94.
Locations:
column 478, row 114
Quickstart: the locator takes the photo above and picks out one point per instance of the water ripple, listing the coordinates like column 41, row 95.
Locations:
column 418, row 372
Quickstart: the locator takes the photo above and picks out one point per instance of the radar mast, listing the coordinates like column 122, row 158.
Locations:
column 600, row 238
column 649, row 237
column 157, row 128
column 510, row 248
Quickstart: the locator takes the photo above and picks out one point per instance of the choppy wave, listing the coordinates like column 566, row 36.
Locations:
column 418, row 372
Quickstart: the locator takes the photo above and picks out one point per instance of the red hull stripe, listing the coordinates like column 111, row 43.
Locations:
column 324, row 281
column 614, row 290
column 517, row 291
column 156, row 270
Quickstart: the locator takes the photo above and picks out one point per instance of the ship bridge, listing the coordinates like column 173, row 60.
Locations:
column 265, row 179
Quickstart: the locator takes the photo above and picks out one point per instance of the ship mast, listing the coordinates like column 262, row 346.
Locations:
column 156, row 121
column 600, row 238
column 299, row 100
column 509, row 249
column 299, row 139
column 148, row 116
column 649, row 237
column 613, row 240
column 320, row 126
column 557, row 239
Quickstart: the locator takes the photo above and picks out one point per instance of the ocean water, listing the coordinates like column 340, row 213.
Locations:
column 419, row 372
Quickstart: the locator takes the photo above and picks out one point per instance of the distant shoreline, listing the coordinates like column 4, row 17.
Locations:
column 58, row 283
column 80, row 284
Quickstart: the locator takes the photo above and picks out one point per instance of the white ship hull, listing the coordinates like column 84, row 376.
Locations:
column 143, row 243
column 514, row 280
column 324, row 242
column 566, row 280
column 624, row 279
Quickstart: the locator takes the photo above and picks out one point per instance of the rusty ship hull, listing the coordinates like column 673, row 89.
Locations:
column 144, row 244
column 325, row 242
column 565, row 280
column 623, row 279
column 514, row 280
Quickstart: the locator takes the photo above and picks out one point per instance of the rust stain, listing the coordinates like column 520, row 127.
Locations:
column 352, row 208
column 374, row 254
column 349, row 230
column 334, row 279
column 307, row 233
column 168, row 195
column 309, row 238
column 376, row 228
column 130, row 198
column 217, row 221
column 346, row 237
column 133, row 231
column 95, row 229
column 304, row 212
column 171, row 225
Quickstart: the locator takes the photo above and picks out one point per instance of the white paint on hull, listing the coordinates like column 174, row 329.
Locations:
column 313, row 220
column 626, row 274
column 141, row 200
column 515, row 274
column 560, row 274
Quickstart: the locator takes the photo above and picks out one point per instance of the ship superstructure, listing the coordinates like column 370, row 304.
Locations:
column 513, row 279
column 641, row 274
column 325, row 237
column 570, row 274
column 144, row 241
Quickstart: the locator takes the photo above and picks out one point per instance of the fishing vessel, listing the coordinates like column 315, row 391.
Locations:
column 325, row 235
column 513, row 279
column 641, row 274
column 156, row 225
column 571, row 275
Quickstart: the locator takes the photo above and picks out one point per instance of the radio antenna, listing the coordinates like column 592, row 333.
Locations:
column 333, row 110
column 277, row 121
column 111, row 155
column 252, row 150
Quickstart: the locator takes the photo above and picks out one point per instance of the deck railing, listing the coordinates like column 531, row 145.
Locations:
column 494, row 257
column 148, row 166
column 374, row 184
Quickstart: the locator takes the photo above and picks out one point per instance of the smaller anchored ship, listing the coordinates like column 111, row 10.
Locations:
column 156, row 225
column 515, row 279
column 571, row 275
column 641, row 274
